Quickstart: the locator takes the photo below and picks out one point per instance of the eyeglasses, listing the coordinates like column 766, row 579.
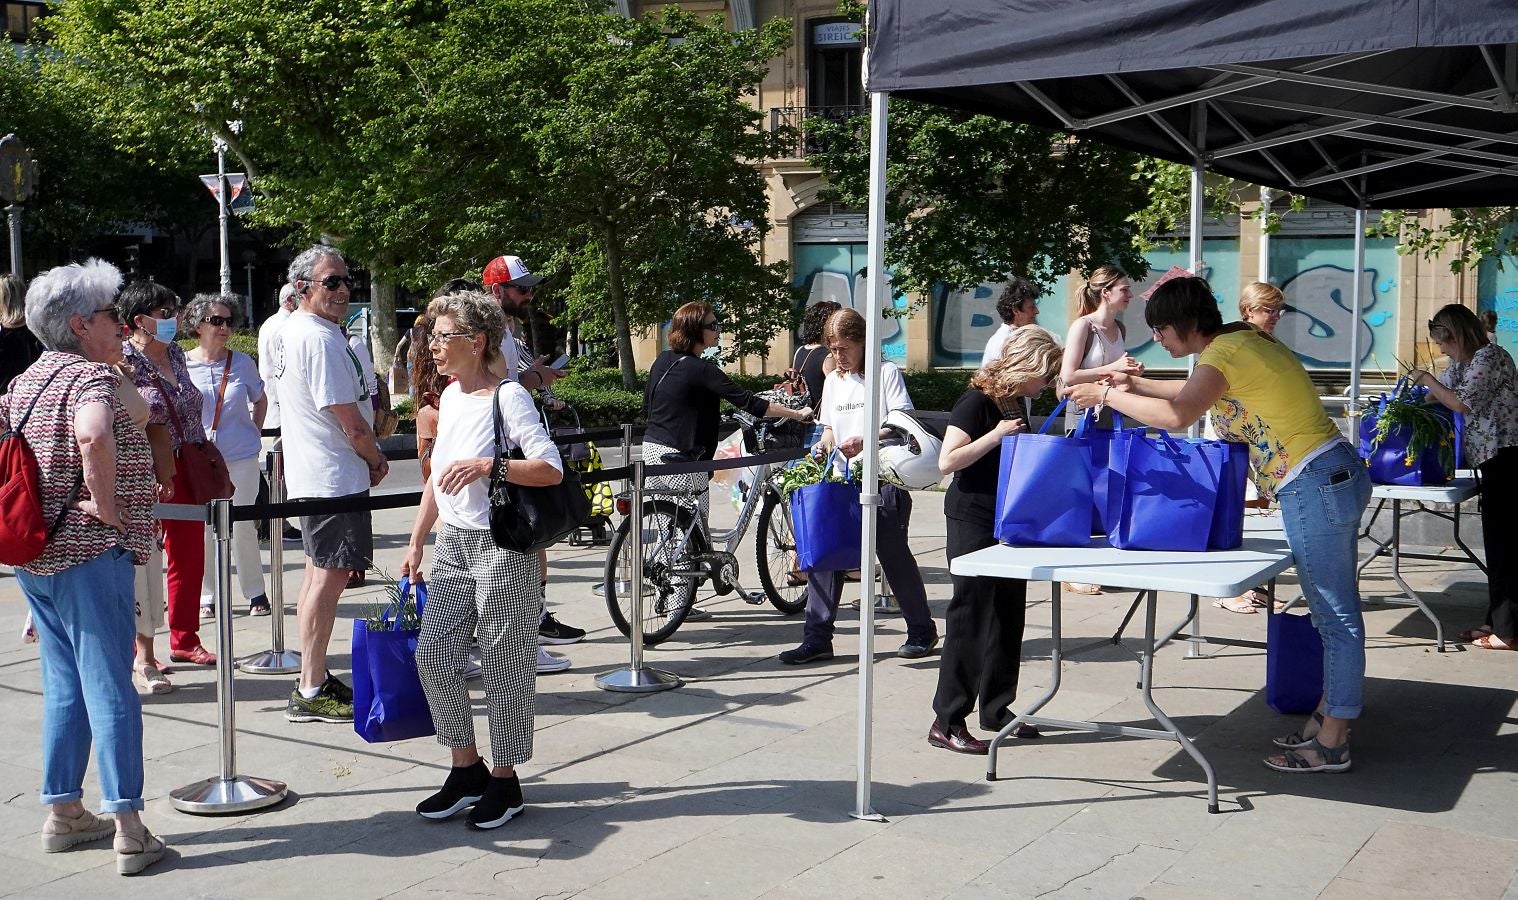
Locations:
column 1156, row 331
column 1274, row 312
column 443, row 337
column 529, row 289
column 713, row 325
column 331, row 282
column 111, row 311
column 218, row 321
column 163, row 312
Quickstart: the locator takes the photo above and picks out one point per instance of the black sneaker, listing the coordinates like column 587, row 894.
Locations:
column 807, row 652
column 326, row 706
column 552, row 631
column 502, row 801
column 917, row 648
column 464, row 786
column 338, row 689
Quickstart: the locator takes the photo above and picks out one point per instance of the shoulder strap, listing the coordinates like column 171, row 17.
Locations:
column 648, row 399
column 500, row 433
column 16, row 426
column 168, row 402
column 221, row 392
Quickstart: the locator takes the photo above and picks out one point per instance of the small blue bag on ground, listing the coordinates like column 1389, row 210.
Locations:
column 1043, row 490
column 827, row 524
column 1169, row 491
column 1293, row 664
column 388, row 701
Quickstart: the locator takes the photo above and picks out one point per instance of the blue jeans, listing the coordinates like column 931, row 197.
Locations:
column 1321, row 509
column 86, row 629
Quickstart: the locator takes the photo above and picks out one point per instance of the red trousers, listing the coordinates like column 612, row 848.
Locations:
column 184, row 553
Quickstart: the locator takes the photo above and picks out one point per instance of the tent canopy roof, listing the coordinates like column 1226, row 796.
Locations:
column 1382, row 104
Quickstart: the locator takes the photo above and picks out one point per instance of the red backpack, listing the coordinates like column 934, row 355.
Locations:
column 24, row 531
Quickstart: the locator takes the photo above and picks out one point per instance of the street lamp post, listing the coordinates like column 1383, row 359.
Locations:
column 18, row 179
column 221, row 214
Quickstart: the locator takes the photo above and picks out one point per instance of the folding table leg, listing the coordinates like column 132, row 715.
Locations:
column 1055, row 661
column 1146, row 686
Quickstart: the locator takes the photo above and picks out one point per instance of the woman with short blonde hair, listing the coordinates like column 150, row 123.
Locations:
column 1261, row 305
column 984, row 622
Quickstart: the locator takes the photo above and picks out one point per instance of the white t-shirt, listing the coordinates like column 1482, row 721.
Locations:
column 268, row 354
column 993, row 346
column 466, row 430
column 512, row 352
column 236, row 435
column 843, row 400
column 365, row 362
column 318, row 371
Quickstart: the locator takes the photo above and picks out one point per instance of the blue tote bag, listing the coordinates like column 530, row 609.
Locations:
column 1227, row 531
column 388, row 702
column 1293, row 664
column 1169, row 491
column 1106, row 481
column 1388, row 460
column 826, row 522
column 1043, row 490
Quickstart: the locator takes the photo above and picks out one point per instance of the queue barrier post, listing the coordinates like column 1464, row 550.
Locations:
column 277, row 660
column 226, row 792
column 636, row 678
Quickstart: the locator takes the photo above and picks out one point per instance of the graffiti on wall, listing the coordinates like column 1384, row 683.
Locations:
column 1320, row 314
column 964, row 320
column 828, row 272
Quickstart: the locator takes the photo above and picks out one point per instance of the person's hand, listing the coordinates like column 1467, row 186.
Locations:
column 1009, row 426
column 165, row 491
column 545, row 372
column 1416, row 376
column 1120, row 381
column 106, row 516
column 851, row 447
column 1127, row 366
column 1086, row 396
column 411, row 565
column 458, row 474
column 819, row 451
column 378, row 473
column 806, row 413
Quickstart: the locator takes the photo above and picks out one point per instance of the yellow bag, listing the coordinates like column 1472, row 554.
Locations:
column 601, row 501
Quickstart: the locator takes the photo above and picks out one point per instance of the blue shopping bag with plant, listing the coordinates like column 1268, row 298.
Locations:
column 388, row 702
column 1044, row 489
column 825, row 515
column 1408, row 441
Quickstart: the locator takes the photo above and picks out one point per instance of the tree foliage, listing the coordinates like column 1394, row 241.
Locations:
column 1472, row 234
column 427, row 136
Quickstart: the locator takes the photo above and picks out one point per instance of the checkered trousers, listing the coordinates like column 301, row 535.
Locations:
column 476, row 588
column 697, row 484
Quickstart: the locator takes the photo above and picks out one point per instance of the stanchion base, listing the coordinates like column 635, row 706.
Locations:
column 270, row 662
column 870, row 816
column 217, row 797
column 637, row 681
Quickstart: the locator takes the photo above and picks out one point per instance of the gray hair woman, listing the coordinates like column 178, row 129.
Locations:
column 97, row 487
column 232, row 412
column 475, row 586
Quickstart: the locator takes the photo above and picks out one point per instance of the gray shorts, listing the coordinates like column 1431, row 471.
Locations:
column 340, row 540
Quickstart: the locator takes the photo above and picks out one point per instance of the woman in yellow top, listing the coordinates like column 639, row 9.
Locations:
column 1323, row 488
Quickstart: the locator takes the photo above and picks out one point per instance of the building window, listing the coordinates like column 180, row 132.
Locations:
column 22, row 17
column 834, row 54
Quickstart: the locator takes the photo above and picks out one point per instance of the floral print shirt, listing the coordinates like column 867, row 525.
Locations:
column 1488, row 384
column 186, row 397
column 1268, row 460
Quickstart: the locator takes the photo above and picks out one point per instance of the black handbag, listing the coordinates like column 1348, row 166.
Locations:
column 527, row 519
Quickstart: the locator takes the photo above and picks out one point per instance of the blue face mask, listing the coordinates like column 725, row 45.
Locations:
column 166, row 330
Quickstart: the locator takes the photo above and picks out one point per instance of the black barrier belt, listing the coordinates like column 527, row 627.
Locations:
column 291, row 509
column 700, row 465
column 577, row 437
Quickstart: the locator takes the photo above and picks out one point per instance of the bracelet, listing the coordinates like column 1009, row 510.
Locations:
column 1103, row 400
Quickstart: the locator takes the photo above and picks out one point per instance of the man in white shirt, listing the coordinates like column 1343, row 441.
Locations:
column 1017, row 306
column 513, row 285
column 325, row 410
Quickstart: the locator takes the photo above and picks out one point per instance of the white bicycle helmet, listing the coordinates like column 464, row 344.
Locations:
column 911, row 457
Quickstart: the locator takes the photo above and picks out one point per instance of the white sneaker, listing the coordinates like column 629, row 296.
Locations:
column 551, row 662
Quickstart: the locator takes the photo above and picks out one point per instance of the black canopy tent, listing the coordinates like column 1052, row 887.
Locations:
column 1369, row 104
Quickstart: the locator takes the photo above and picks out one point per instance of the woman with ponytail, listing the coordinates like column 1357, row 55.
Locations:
column 1094, row 346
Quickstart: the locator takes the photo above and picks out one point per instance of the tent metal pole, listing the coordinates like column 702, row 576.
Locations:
column 1266, row 197
column 876, row 293
column 1352, row 410
column 1198, row 206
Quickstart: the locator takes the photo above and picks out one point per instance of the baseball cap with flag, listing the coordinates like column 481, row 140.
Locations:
column 509, row 270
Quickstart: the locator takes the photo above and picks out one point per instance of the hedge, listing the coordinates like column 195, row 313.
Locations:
column 599, row 397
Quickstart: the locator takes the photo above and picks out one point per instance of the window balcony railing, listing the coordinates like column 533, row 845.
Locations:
column 796, row 118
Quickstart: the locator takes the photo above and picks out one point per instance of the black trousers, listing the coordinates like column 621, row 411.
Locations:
column 983, row 643
column 1499, row 497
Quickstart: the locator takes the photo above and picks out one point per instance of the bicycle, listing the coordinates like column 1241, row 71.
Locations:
column 677, row 546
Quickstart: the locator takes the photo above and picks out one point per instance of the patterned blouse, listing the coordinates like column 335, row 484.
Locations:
column 186, row 398
column 1268, row 460
column 50, row 432
column 1488, row 384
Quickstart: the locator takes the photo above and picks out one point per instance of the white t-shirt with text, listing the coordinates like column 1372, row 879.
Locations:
column 318, row 371
column 843, row 400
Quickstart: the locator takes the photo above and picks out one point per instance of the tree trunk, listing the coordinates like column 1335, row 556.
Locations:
column 382, row 331
column 614, row 290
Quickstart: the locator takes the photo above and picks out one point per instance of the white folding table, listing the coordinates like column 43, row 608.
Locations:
column 1454, row 493
column 1213, row 573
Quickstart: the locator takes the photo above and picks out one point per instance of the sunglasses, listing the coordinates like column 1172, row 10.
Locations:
column 714, row 325
column 218, row 321
column 331, row 282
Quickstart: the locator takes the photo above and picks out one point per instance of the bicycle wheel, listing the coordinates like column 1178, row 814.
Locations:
column 775, row 552
column 667, row 596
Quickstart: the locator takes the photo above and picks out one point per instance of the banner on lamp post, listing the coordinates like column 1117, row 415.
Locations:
column 239, row 199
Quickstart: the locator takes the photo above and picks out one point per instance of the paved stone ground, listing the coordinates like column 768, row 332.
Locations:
column 740, row 783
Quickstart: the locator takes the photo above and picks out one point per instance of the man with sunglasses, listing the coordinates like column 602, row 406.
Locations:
column 513, row 285
column 325, row 411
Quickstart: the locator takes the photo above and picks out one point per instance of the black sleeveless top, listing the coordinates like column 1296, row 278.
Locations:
column 809, row 364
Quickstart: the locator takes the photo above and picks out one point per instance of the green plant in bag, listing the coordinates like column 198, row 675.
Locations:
column 1405, row 408
column 405, row 615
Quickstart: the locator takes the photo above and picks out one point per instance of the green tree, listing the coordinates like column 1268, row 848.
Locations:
column 971, row 198
column 1473, row 234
